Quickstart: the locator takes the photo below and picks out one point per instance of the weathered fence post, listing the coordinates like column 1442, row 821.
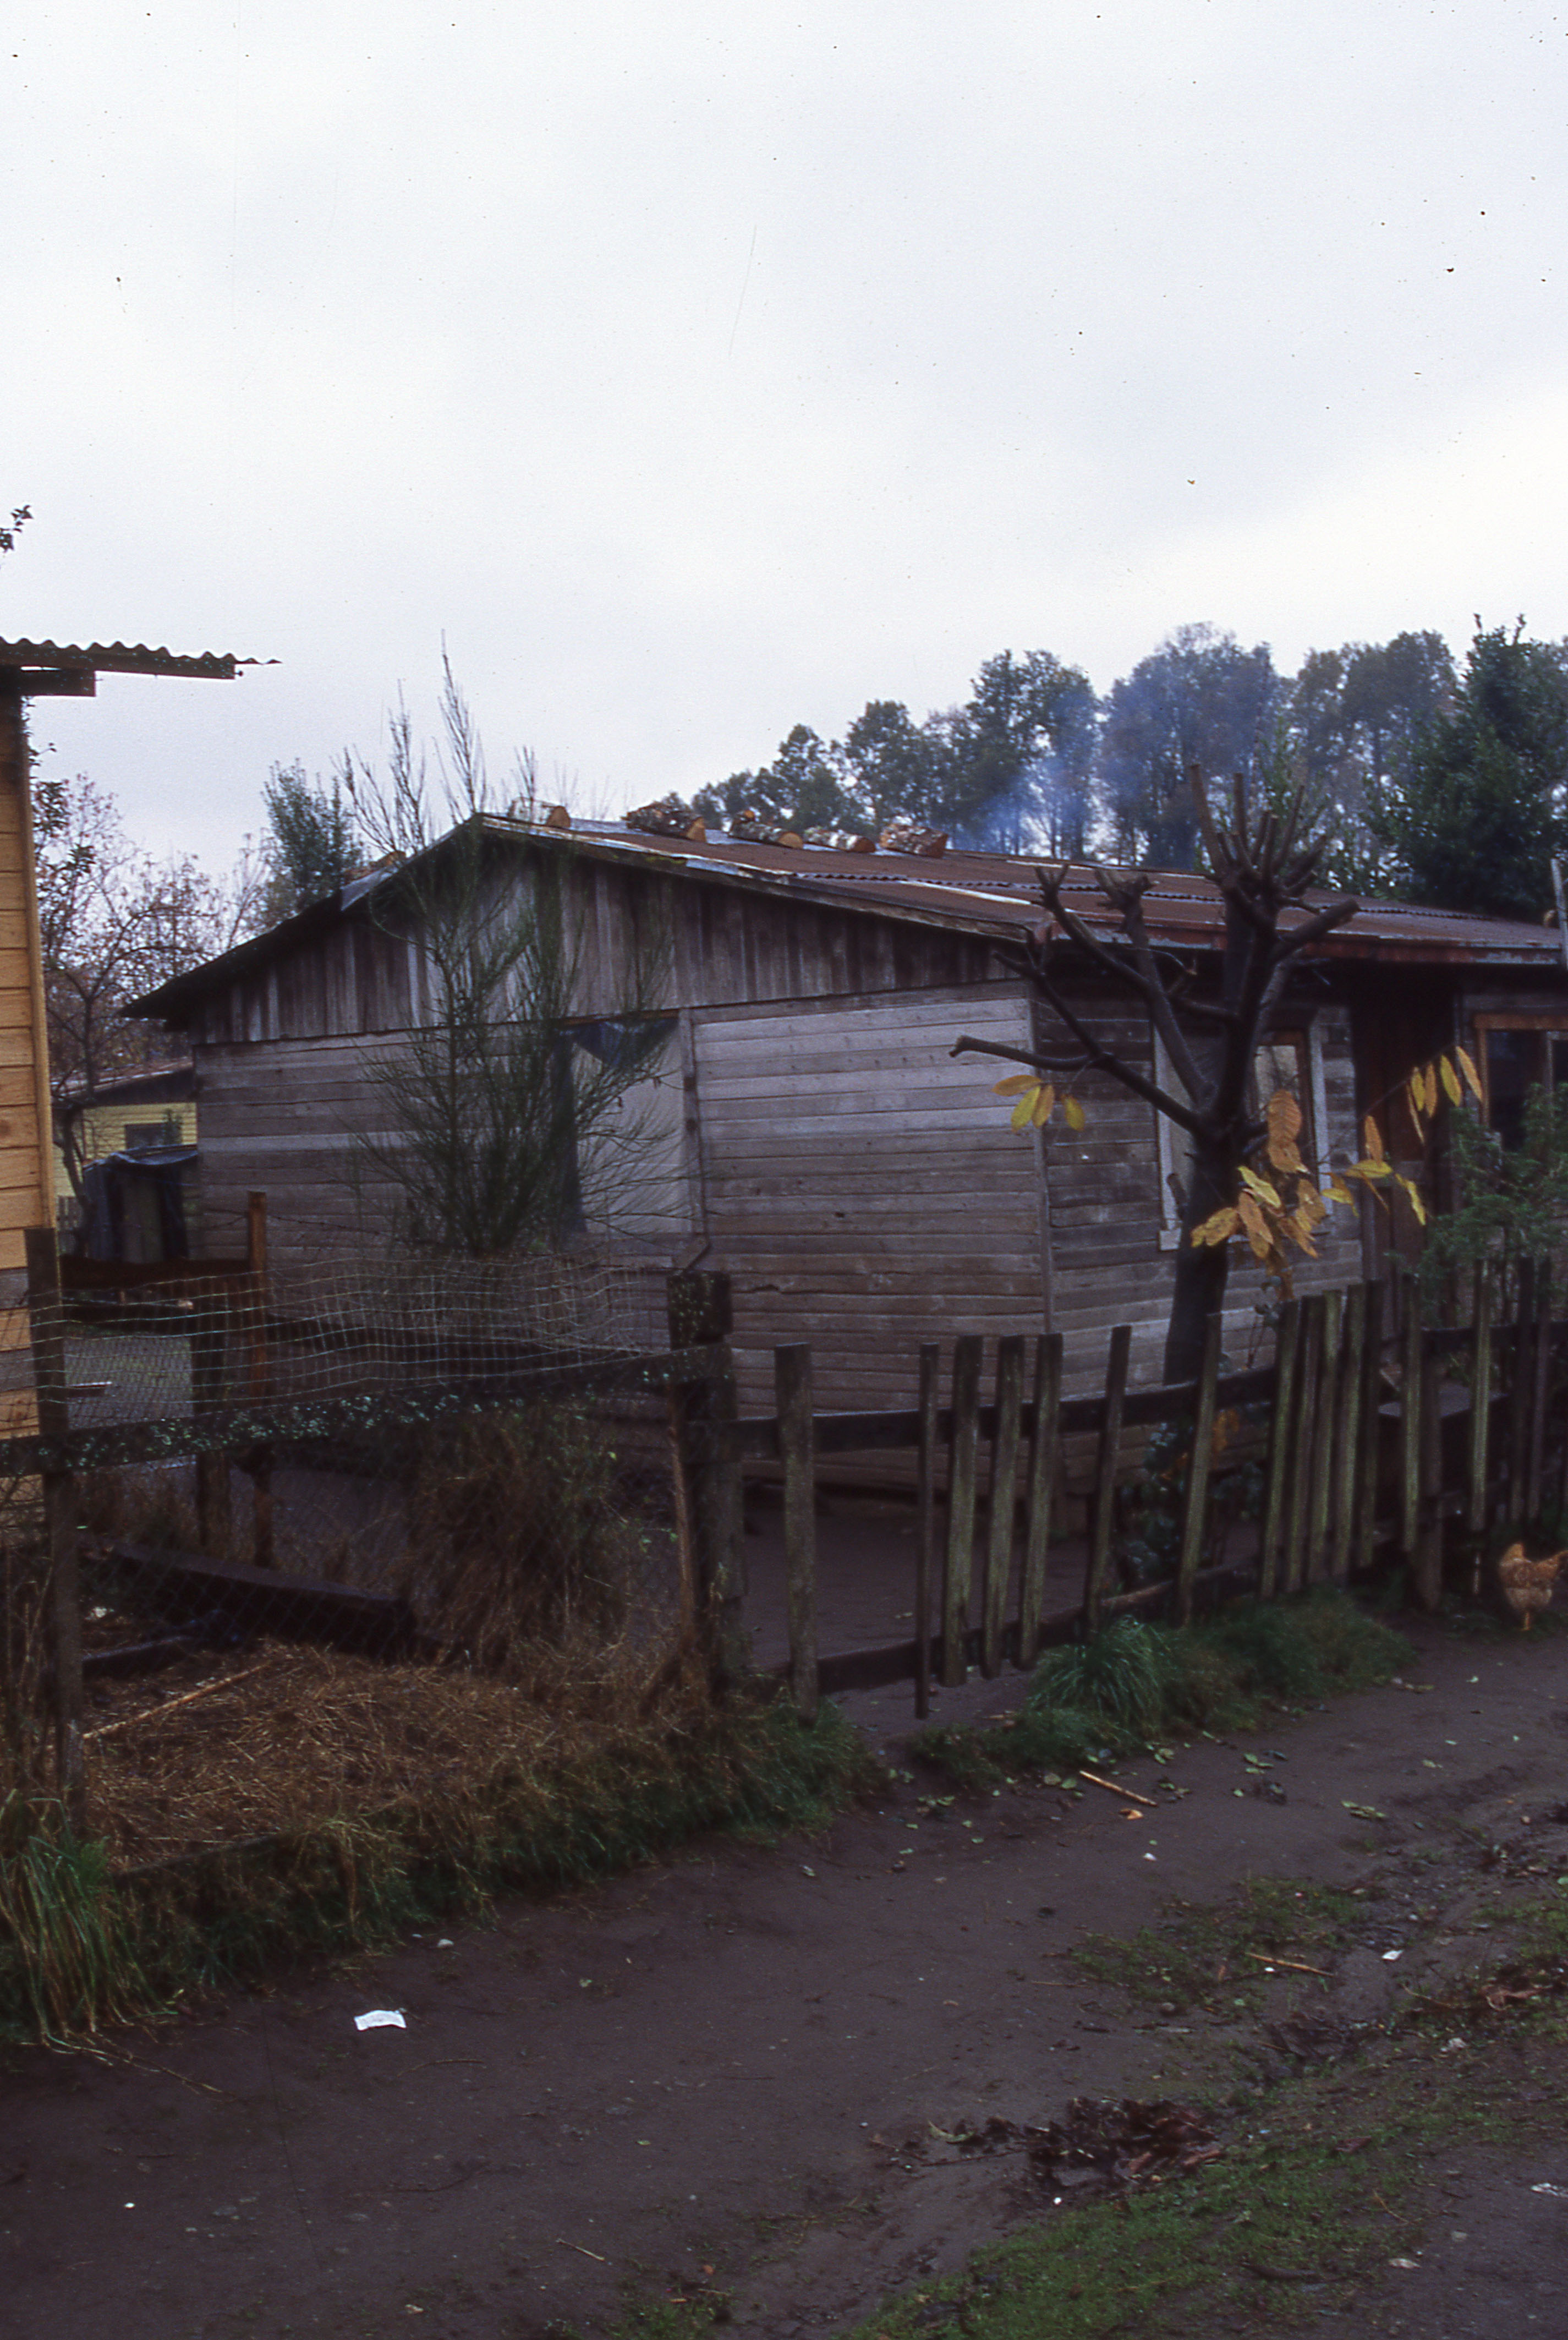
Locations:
column 1519, row 1396
column 1277, row 1493
column 798, row 1450
column 1003, row 1498
column 264, row 1554
column 1194, row 1502
column 1325, row 1417
column 1411, row 1379
column 925, row 1532
column 1540, row 1376
column 968, row 1352
column 1480, row 1418
column 209, row 1351
column 1364, row 1544
column 1347, row 1432
column 1303, row 1415
column 47, row 1327
column 700, row 1316
column 1104, row 1519
column 1037, row 1512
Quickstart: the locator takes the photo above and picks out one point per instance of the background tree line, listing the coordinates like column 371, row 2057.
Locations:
column 1443, row 785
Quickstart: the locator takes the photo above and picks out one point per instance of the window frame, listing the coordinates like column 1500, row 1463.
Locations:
column 1547, row 1024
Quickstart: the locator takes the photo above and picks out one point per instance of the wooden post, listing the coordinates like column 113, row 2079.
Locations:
column 1411, row 1381
column 63, row 1612
column 1003, row 1498
column 700, row 1317
column 1104, row 1516
column 1364, row 1544
column 797, row 1448
column 925, row 1532
column 1428, row 1568
column 1540, row 1375
column 959, row 1571
column 264, row 1549
column 1325, row 1417
column 1277, row 1491
column 1480, row 1412
column 1194, row 1502
column 1041, row 1480
column 1347, row 1426
column 1519, row 1396
column 209, row 1352
column 1298, row 1499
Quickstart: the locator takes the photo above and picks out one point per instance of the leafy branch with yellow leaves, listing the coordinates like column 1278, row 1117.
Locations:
column 1210, row 1017
column 1279, row 1204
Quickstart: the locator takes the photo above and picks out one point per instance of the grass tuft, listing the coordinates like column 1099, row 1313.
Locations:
column 1133, row 1684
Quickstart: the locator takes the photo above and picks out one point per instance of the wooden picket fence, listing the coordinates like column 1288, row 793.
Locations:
column 1359, row 1465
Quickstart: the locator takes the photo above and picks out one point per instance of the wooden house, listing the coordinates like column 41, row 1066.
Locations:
column 813, row 1133
column 38, row 671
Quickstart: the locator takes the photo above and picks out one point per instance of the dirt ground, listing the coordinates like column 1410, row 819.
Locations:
column 725, row 2071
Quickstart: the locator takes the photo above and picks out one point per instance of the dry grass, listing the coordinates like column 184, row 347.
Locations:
column 287, row 1737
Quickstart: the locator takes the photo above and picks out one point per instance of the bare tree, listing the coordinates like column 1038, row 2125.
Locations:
column 1264, row 862
column 114, row 923
column 506, row 1114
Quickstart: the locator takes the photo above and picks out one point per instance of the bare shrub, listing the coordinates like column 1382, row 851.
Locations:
column 518, row 1542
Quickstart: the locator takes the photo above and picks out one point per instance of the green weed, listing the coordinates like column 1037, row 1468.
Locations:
column 1133, row 1684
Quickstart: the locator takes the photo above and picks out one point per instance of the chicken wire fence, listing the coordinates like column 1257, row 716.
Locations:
column 408, row 1461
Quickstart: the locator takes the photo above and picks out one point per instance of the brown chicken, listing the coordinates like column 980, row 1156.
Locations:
column 1527, row 1583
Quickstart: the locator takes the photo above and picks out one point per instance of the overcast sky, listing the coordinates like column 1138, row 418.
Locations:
column 698, row 369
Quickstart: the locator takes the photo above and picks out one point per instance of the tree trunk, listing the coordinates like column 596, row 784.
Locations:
column 1201, row 1269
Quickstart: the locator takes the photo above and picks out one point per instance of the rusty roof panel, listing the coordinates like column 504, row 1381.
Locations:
column 997, row 893
column 123, row 658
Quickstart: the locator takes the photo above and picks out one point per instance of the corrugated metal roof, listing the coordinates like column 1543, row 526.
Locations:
column 125, row 657
column 999, row 893
column 985, row 894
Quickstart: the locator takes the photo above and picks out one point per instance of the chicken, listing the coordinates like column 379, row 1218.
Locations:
column 1527, row 1583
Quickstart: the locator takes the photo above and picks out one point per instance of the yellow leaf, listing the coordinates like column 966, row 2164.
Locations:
column 1218, row 1227
column 1016, row 1083
column 1073, row 1113
column 1338, row 1192
column 1415, row 1090
column 1255, row 1227
column 1452, row 1089
column 1467, row 1067
column 1023, row 1111
column 1310, row 1204
column 1299, row 1229
column 1282, row 1115
column 1042, row 1105
column 1376, row 1168
column 1371, row 1138
column 1260, row 1187
column 1417, row 1205
column 1430, row 1086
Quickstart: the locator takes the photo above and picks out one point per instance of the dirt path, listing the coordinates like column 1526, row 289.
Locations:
column 719, row 2064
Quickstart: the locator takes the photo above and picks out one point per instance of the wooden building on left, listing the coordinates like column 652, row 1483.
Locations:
column 39, row 670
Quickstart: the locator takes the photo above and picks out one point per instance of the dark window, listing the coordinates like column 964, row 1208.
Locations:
column 1515, row 1059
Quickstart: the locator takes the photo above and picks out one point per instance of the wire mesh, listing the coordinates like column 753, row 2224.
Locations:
column 389, row 1466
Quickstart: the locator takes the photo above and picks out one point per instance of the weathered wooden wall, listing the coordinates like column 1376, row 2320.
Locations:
column 26, row 1182
column 863, row 1186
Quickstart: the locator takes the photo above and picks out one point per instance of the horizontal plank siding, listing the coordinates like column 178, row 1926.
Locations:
column 863, row 1188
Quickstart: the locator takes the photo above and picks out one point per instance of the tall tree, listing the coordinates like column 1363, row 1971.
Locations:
column 1016, row 758
column 1354, row 719
column 1198, row 698
column 1474, row 817
column 312, row 843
